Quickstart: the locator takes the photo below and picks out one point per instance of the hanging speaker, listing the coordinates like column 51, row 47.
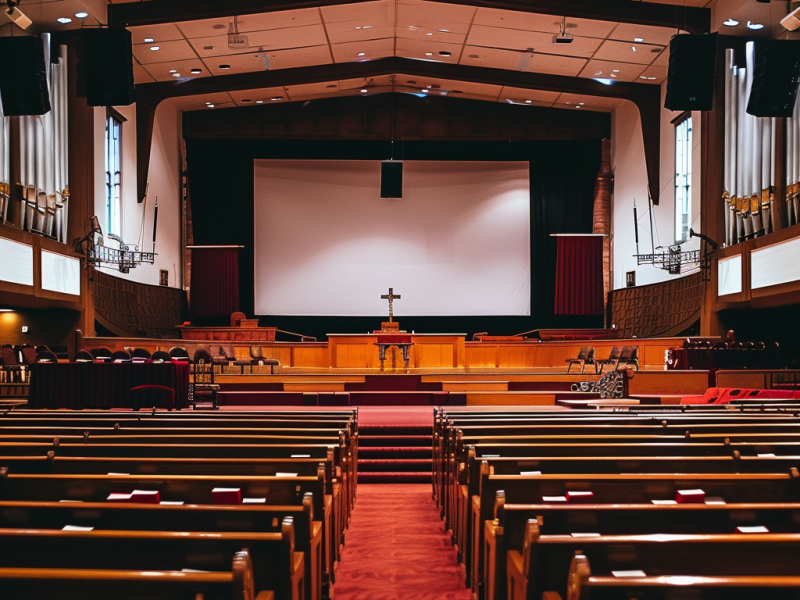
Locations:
column 690, row 79
column 391, row 179
column 776, row 75
column 106, row 67
column 23, row 79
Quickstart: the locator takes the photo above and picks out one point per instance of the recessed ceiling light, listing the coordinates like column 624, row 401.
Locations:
column 429, row 33
column 245, row 100
column 208, row 102
column 751, row 25
column 81, row 14
column 633, row 48
column 364, row 91
column 210, row 105
column 6, row 310
column 603, row 80
column 581, row 103
column 155, row 48
column 64, row 20
column 367, row 27
column 361, row 54
column 209, row 47
column 577, row 106
column 196, row 71
column 730, row 22
column 148, row 40
column 259, row 102
column 615, row 70
column 527, row 101
column 444, row 53
column 645, row 77
column 444, row 31
column 424, row 91
column 359, row 27
column 276, row 98
column 224, row 66
column 173, row 70
column 638, row 40
column 176, row 74
column 429, row 54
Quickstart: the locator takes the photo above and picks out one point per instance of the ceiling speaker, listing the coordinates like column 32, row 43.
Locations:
column 690, row 79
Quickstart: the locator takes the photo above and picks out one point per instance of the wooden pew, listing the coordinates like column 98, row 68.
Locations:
column 190, row 489
column 619, row 489
column 582, row 584
column 544, row 564
column 100, row 584
column 506, row 531
column 255, row 518
column 275, row 563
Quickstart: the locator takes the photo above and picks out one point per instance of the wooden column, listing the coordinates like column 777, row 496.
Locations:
column 602, row 214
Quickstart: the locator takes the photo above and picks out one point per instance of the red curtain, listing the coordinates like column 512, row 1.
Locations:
column 579, row 275
column 215, row 282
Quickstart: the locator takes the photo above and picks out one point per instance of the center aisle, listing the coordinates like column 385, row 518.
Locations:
column 397, row 548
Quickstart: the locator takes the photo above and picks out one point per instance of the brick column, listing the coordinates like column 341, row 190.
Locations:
column 602, row 213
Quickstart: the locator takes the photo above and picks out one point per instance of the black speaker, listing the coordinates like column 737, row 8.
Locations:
column 391, row 179
column 690, row 79
column 23, row 80
column 776, row 75
column 106, row 66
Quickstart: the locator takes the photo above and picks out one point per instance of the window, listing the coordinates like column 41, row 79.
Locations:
column 683, row 177
column 113, row 174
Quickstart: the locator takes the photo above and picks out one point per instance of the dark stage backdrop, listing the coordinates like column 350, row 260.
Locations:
column 562, row 180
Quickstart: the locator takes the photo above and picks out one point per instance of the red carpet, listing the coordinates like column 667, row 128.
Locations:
column 397, row 548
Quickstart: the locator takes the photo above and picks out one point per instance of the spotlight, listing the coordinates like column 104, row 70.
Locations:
column 16, row 15
column 81, row 15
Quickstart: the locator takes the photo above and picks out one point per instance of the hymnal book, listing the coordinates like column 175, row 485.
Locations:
column 577, row 497
column 551, row 499
column 76, row 528
column 753, row 529
column 690, row 496
column 227, row 495
column 632, row 573
column 254, row 500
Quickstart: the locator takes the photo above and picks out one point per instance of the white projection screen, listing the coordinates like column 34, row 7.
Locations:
column 456, row 244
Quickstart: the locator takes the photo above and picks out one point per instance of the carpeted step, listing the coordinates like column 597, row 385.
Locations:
column 372, row 441
column 404, row 477
column 395, row 451
column 425, row 430
column 394, row 465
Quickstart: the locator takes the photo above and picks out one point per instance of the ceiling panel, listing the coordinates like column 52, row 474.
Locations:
column 543, row 23
column 312, row 90
column 516, row 39
column 275, row 39
column 428, row 50
column 612, row 70
column 522, row 95
column 414, row 12
column 279, row 59
column 372, row 49
column 585, row 102
column 168, row 51
column 219, row 100
column 248, row 23
column 426, row 33
column 653, row 74
column 162, row 71
column 352, row 31
column 662, row 60
column 627, row 32
column 257, row 96
column 507, row 59
column 368, row 13
column 159, row 33
column 140, row 74
column 642, row 54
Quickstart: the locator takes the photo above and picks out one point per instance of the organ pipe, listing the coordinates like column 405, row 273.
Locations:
column 43, row 156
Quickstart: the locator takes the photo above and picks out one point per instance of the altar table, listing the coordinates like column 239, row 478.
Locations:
column 426, row 351
column 102, row 385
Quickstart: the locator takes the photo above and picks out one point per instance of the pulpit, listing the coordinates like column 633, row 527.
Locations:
column 387, row 340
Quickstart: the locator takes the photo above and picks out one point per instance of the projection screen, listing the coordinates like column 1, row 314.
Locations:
column 456, row 244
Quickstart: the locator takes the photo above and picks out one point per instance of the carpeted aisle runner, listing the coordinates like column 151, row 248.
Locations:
column 397, row 548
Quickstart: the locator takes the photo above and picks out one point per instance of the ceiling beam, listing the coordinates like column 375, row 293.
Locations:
column 647, row 97
column 154, row 12
column 687, row 18
column 151, row 12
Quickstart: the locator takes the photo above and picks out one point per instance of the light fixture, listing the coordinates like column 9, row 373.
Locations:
column 173, row 70
column 429, row 33
column 361, row 54
column 364, row 91
column 276, row 98
column 245, row 100
column 527, row 101
column 730, row 22
column 196, row 71
column 429, row 54
column 444, row 31
column 6, row 310
column 16, row 15
column 444, row 53
column 259, row 102
column 224, row 66
column 424, row 91
column 367, row 27
column 633, row 48
column 209, row 47
column 525, row 60
column 125, row 258
column 603, row 80
column 148, row 40
column 81, row 14
column 563, row 37
column 176, row 74
column 755, row 26
column 638, row 40
column 64, row 20
column 155, row 48
column 208, row 102
column 210, row 105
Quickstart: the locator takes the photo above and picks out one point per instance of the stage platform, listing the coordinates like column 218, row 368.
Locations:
column 474, row 387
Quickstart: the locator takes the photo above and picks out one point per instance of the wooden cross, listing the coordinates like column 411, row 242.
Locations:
column 390, row 297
